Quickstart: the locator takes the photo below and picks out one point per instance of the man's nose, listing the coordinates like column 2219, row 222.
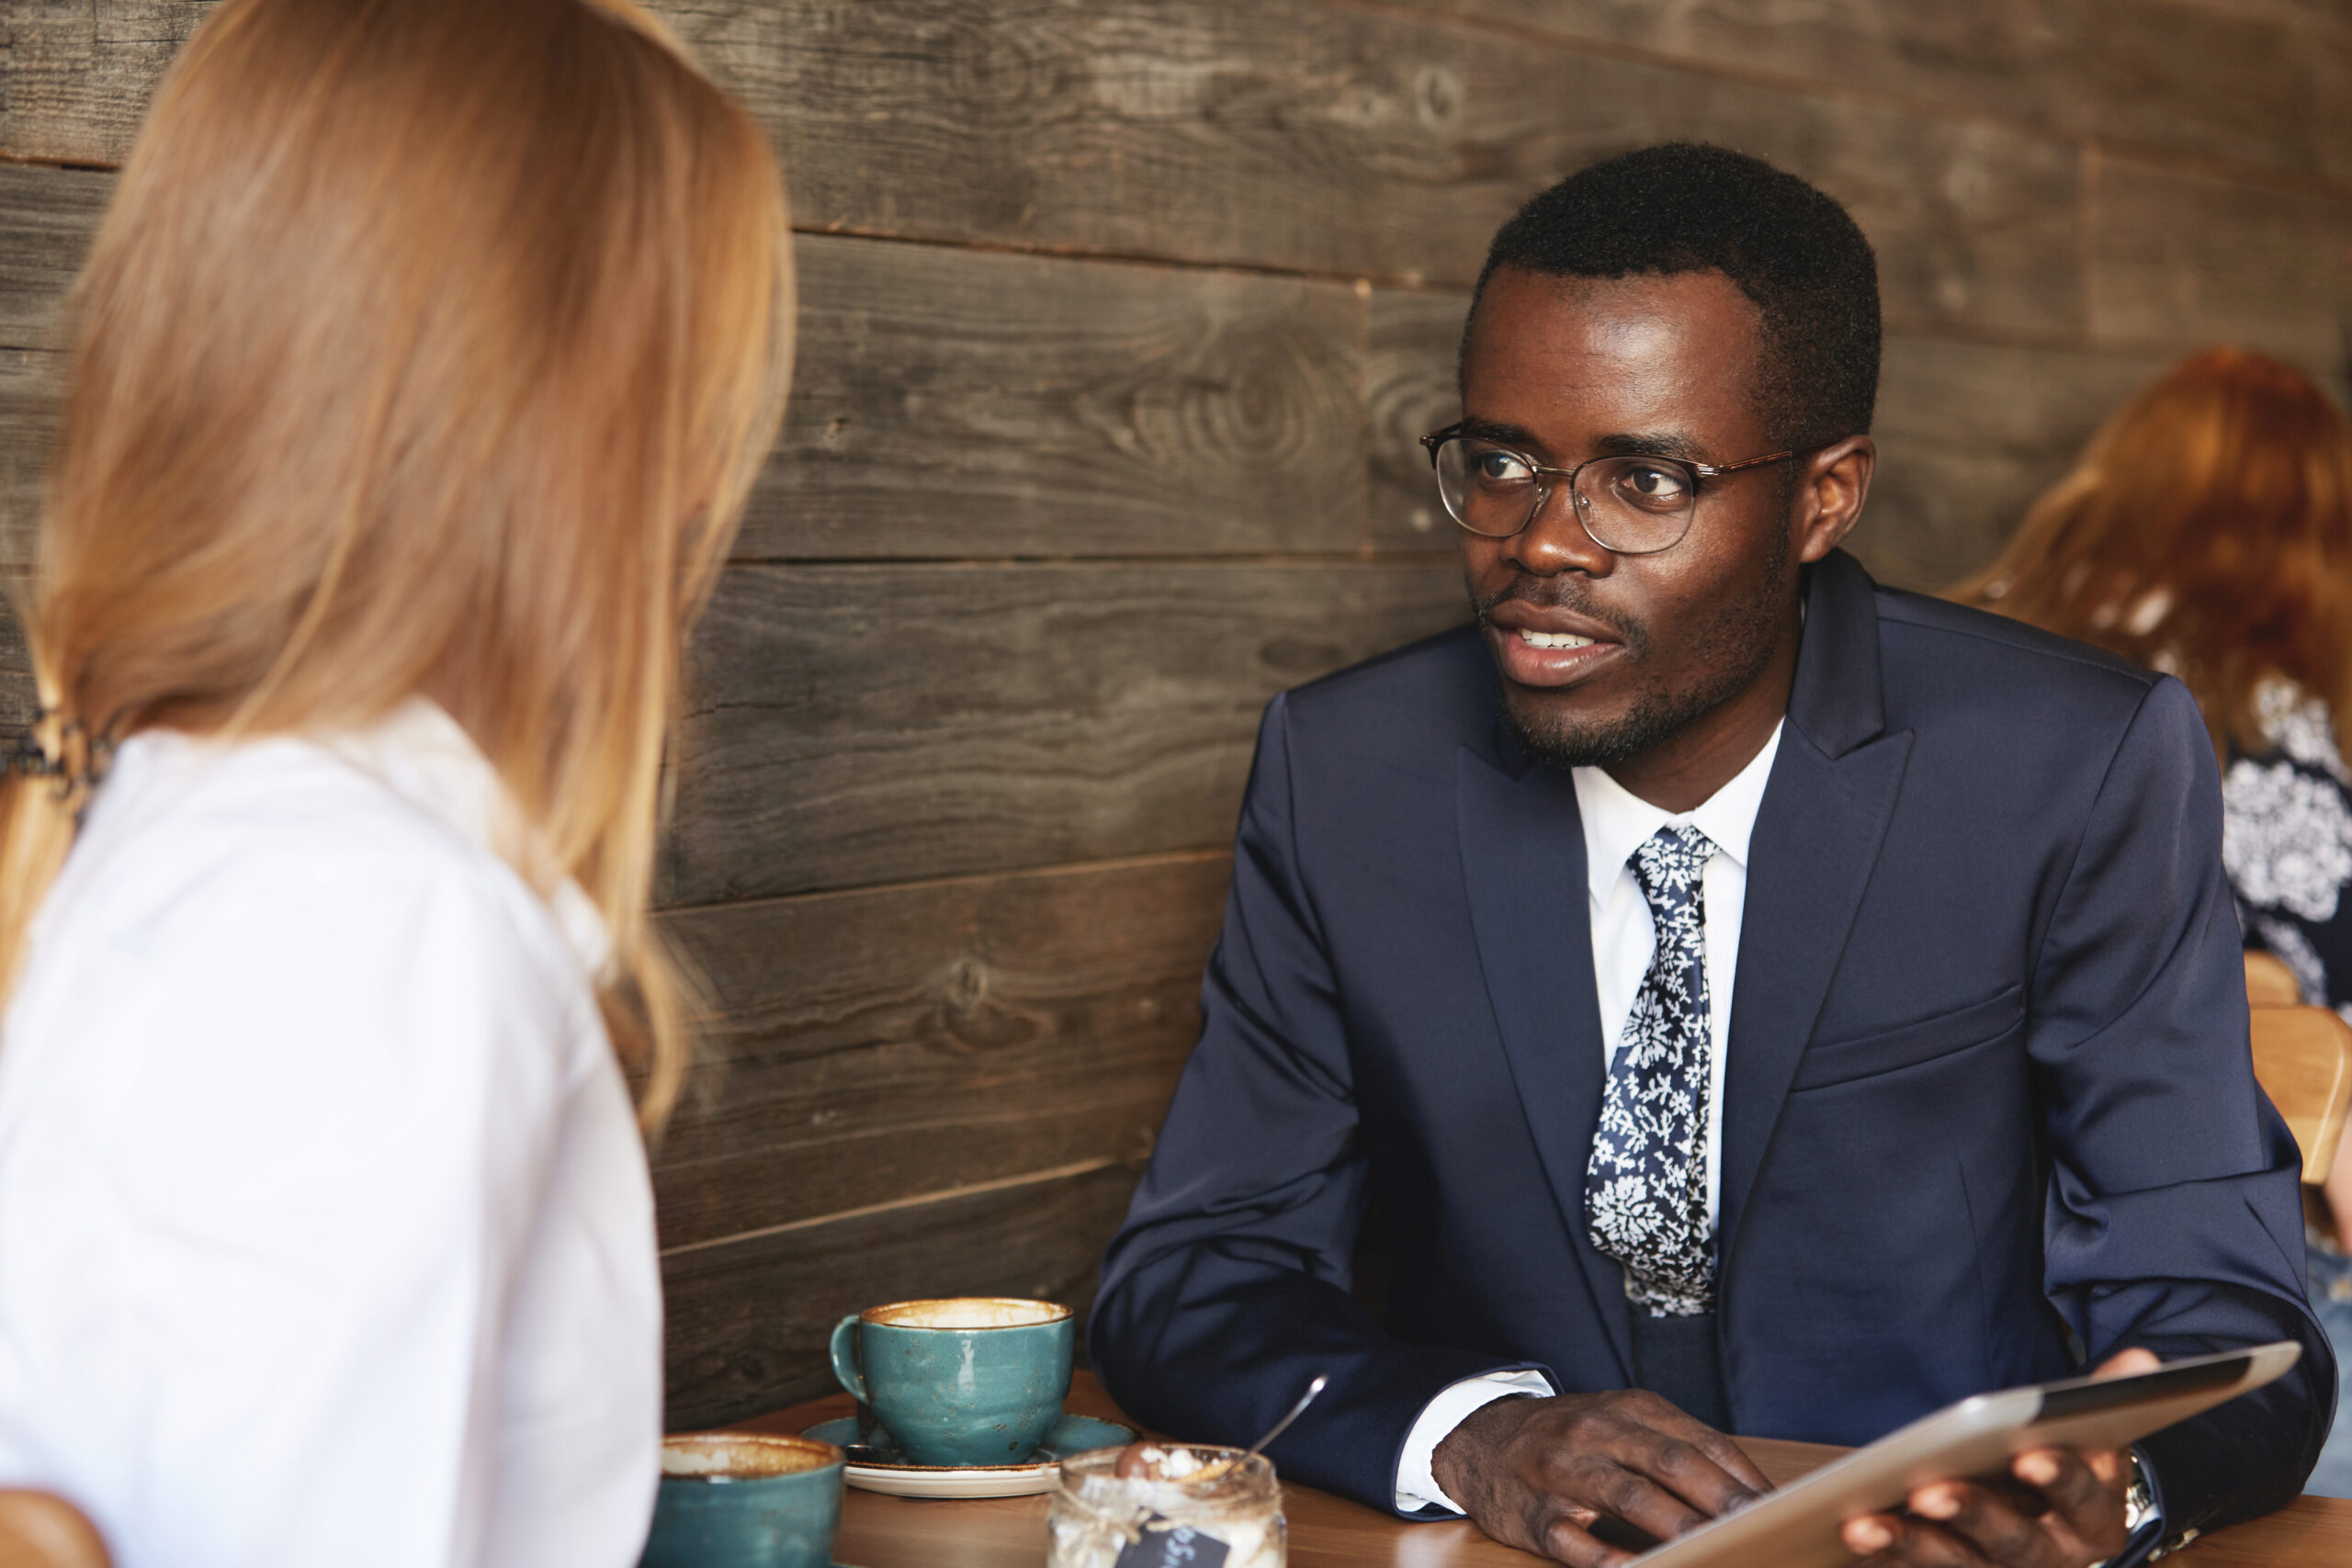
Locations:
column 1555, row 540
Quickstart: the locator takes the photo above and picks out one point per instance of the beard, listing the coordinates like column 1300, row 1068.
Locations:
column 1734, row 644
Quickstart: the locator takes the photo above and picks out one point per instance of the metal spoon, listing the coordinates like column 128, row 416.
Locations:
column 1297, row 1410
column 1219, row 1468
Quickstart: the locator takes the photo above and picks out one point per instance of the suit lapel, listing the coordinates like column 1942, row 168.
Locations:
column 1817, row 834
column 1823, row 817
column 1522, row 857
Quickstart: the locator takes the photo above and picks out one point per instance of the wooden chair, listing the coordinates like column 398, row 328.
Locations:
column 2302, row 1056
column 39, row 1530
column 2270, row 984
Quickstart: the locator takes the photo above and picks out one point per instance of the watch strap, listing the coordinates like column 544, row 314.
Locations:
column 2143, row 1516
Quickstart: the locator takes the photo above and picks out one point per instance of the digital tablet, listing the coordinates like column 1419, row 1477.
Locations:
column 1797, row 1526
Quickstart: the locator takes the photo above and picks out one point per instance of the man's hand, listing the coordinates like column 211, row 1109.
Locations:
column 1539, row 1473
column 2065, row 1512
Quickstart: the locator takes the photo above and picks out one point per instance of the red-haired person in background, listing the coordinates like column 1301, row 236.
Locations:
column 421, row 369
column 2207, row 532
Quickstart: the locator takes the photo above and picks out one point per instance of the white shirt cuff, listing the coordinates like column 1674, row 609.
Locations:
column 1416, row 1488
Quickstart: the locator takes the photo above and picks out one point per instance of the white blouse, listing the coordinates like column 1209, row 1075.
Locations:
column 325, row 1230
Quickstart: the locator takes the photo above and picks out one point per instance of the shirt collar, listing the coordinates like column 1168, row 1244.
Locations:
column 1617, row 821
column 426, row 758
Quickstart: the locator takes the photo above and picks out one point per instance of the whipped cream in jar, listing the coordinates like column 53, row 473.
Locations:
column 1176, row 1505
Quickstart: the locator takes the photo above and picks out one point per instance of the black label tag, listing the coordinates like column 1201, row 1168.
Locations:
column 1165, row 1545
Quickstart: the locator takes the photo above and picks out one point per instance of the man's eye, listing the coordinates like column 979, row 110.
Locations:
column 1654, row 486
column 1499, row 467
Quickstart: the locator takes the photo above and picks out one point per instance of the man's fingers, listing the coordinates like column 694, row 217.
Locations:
column 1567, row 1542
column 1727, row 1456
column 2085, row 1509
column 1693, row 1474
column 2062, row 1514
column 1868, row 1535
column 1987, row 1522
column 1888, row 1540
column 1720, row 1451
column 2123, row 1363
column 1877, row 1539
column 1546, row 1473
column 1633, row 1496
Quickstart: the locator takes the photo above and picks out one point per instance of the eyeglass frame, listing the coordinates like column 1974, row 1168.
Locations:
column 1459, row 430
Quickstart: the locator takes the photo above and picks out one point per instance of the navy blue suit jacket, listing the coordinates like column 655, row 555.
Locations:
column 1987, row 1080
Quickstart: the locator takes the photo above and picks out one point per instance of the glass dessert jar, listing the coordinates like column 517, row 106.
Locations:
column 1180, row 1505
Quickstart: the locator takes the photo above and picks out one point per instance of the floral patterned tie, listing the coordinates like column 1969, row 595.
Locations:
column 1646, row 1186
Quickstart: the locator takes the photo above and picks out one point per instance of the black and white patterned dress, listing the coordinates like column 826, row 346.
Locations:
column 2287, row 841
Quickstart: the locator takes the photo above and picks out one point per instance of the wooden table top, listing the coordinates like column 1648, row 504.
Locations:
column 1330, row 1532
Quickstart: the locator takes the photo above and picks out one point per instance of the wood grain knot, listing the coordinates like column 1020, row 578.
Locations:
column 973, row 1017
column 968, row 983
column 1437, row 95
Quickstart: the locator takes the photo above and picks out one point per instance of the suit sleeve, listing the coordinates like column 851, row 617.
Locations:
column 1227, row 1290
column 2174, row 1219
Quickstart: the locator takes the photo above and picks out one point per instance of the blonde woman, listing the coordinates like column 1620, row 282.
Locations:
column 421, row 369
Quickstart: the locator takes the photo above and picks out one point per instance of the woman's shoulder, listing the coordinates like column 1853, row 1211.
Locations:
column 275, row 1004
column 2299, row 728
column 284, row 840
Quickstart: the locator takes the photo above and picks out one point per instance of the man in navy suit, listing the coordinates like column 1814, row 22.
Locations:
column 1754, row 999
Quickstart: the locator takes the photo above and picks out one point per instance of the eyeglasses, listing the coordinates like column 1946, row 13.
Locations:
column 1632, row 506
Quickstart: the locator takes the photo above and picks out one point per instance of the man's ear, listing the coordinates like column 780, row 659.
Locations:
column 1830, row 497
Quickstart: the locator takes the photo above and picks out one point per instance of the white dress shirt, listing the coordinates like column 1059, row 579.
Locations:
column 1616, row 823
column 325, row 1230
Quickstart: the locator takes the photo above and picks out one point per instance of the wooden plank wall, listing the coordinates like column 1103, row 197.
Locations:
column 1120, row 316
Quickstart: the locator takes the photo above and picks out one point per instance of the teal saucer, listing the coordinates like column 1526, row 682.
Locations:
column 899, row 1476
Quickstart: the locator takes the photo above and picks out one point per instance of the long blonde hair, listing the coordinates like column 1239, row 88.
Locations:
column 2207, row 530
column 428, row 346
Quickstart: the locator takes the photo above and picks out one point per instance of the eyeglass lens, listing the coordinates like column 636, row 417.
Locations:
column 1634, row 506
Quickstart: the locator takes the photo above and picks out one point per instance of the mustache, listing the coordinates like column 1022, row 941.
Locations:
column 1563, row 592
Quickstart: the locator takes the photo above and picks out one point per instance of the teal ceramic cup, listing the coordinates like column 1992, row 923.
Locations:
column 745, row 1500
column 969, row 1379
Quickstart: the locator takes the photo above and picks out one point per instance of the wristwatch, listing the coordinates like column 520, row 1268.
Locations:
column 2144, row 1517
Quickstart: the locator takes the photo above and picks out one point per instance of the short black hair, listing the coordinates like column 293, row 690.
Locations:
column 1687, row 206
